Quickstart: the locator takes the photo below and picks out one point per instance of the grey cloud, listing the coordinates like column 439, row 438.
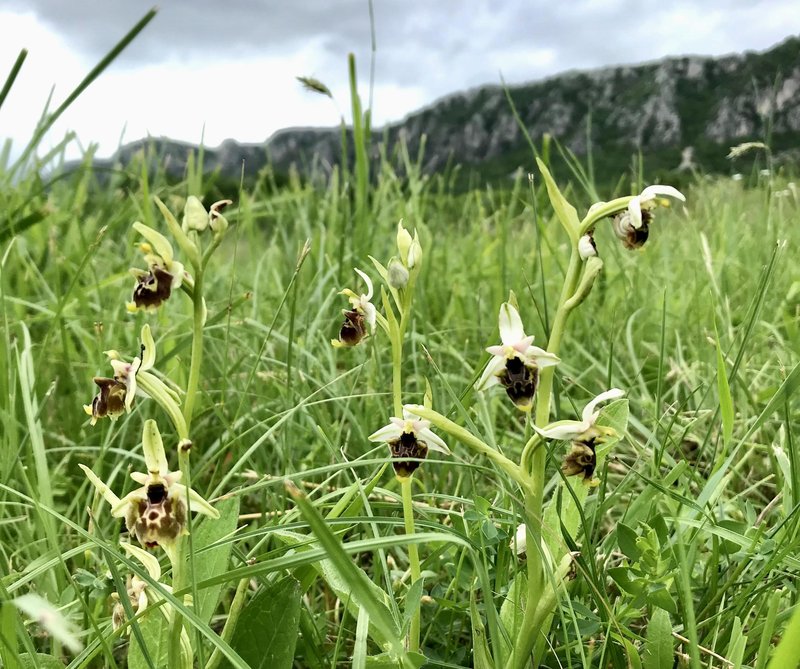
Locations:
column 439, row 45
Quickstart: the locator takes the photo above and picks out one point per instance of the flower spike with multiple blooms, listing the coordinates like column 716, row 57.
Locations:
column 632, row 224
column 516, row 362
column 584, row 434
column 409, row 437
column 361, row 313
column 156, row 512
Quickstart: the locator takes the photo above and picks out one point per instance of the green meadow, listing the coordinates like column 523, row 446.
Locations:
column 301, row 547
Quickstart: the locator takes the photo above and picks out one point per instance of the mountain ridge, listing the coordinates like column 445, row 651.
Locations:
column 679, row 112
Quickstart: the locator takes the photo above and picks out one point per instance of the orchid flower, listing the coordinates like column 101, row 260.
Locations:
column 632, row 224
column 584, row 435
column 156, row 512
column 515, row 363
column 361, row 311
column 163, row 275
column 409, row 437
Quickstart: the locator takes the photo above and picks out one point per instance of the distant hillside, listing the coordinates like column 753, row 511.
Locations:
column 679, row 112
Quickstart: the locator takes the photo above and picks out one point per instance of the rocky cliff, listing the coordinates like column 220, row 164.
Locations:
column 678, row 112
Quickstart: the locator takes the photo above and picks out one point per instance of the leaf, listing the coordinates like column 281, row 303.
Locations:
column 413, row 597
column 212, row 562
column 622, row 577
column 725, row 400
column 787, row 652
column 155, row 631
column 658, row 648
column 327, row 570
column 564, row 210
column 512, row 609
column 659, row 597
column 8, row 635
column 634, row 660
column 482, row 658
column 41, row 661
column 266, row 633
column 626, row 538
column 385, row 661
column 360, row 587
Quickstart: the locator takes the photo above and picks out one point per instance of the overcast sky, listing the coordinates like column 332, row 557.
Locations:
column 230, row 65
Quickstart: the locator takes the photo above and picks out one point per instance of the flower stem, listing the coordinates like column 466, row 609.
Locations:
column 198, row 314
column 413, row 558
column 230, row 623
column 534, row 495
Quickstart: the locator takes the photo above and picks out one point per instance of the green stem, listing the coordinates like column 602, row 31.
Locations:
column 534, row 495
column 197, row 349
column 183, row 548
column 413, row 558
column 397, row 372
column 230, row 624
column 176, row 559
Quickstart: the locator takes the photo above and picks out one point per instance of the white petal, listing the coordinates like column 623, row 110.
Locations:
column 370, row 314
column 635, row 213
column 586, row 247
column 510, row 324
column 387, row 433
column 563, row 430
column 588, row 412
column 149, row 560
column 141, row 478
column 651, row 191
column 434, row 442
column 149, row 353
column 499, row 350
column 489, row 376
column 153, row 447
column 541, row 357
column 130, row 383
column 368, row 281
column 523, row 344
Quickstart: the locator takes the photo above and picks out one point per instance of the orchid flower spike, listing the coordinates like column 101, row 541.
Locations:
column 409, row 437
column 516, row 362
column 632, row 224
column 156, row 512
column 584, row 434
column 361, row 313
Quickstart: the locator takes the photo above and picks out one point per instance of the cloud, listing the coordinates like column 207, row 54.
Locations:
column 231, row 65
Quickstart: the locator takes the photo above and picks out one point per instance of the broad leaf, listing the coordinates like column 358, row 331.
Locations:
column 214, row 561
column 658, row 647
column 266, row 633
